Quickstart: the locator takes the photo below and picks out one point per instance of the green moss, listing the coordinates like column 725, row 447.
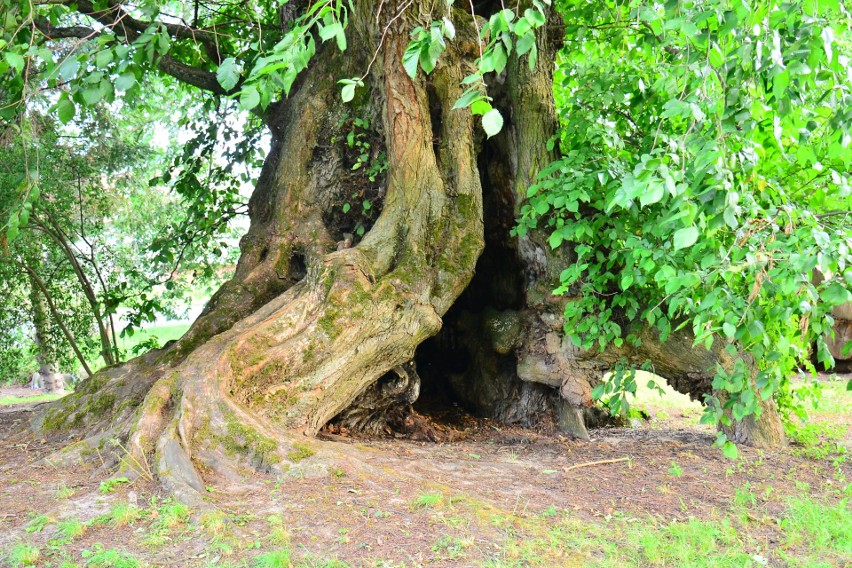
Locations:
column 282, row 263
column 100, row 405
column 504, row 329
column 92, row 385
column 127, row 403
column 236, row 361
column 308, row 353
column 55, row 419
column 327, row 323
column 242, row 439
column 300, row 452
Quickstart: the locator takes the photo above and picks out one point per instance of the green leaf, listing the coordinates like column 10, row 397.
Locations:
column 780, row 83
column 91, row 95
column 652, row 194
column 16, row 60
column 125, row 81
column 411, row 58
column 348, row 91
column 104, row 58
column 499, row 58
column 249, row 97
column 729, row 329
column 228, row 74
column 716, row 57
column 480, row 107
column 685, row 238
column 448, row 28
column 340, row 37
column 468, row 98
column 65, row 108
column 729, row 450
column 835, row 294
column 492, row 122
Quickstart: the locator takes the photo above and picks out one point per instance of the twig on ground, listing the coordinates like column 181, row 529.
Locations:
column 589, row 464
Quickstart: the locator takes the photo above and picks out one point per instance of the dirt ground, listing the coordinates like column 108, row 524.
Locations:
column 475, row 501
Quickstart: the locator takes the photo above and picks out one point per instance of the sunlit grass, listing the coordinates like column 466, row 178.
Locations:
column 9, row 400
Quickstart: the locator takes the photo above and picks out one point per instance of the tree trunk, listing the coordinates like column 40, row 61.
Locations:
column 45, row 355
column 314, row 326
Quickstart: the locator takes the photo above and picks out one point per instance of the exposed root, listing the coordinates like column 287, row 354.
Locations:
column 385, row 405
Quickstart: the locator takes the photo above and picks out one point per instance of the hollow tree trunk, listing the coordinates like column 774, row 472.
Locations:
column 313, row 326
column 304, row 329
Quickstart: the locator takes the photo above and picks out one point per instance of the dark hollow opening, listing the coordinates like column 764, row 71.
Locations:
column 436, row 119
column 458, row 367
column 297, row 268
column 263, row 254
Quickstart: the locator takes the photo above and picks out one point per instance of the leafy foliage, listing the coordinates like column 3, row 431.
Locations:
column 703, row 181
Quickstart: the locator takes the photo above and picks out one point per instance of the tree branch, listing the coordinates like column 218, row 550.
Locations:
column 129, row 28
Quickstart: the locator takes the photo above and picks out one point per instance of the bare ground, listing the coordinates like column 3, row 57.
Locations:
column 486, row 498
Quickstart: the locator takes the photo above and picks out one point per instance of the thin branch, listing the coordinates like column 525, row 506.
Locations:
column 589, row 464
column 833, row 213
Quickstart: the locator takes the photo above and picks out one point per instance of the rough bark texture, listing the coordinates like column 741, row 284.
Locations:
column 315, row 327
column 45, row 355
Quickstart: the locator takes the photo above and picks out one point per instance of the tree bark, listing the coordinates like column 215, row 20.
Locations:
column 45, row 355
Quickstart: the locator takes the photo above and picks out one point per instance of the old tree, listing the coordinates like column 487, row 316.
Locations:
column 429, row 213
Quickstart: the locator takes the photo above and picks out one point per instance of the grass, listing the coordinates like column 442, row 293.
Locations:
column 666, row 404
column 9, row 400
column 23, row 554
column 163, row 333
column 777, row 522
column 428, row 500
column 100, row 557
column 812, row 533
column 71, row 528
column 273, row 559
column 123, row 514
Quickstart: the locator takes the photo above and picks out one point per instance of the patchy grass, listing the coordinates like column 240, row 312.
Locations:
column 657, row 495
column 23, row 554
column 813, row 533
column 71, row 528
column 100, row 557
column 428, row 500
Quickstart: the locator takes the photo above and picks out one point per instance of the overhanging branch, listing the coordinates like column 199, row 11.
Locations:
column 129, row 28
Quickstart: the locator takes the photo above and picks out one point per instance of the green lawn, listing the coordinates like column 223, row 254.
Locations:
column 7, row 400
column 163, row 334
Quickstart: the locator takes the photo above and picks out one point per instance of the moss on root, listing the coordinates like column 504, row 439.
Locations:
column 241, row 439
column 72, row 412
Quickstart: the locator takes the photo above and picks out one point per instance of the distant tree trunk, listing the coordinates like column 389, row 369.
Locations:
column 314, row 327
column 40, row 297
column 45, row 355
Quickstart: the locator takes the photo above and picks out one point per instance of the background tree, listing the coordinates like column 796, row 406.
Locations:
column 317, row 326
column 88, row 237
